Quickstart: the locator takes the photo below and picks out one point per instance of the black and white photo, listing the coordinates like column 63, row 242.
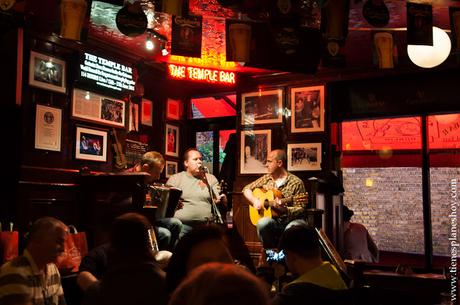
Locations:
column 304, row 156
column 262, row 107
column 47, row 72
column 307, row 109
column 255, row 146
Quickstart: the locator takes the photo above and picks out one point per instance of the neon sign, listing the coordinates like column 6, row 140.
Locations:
column 201, row 74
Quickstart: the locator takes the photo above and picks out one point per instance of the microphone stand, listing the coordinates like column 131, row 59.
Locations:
column 217, row 218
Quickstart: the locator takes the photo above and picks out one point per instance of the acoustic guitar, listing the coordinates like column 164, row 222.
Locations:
column 271, row 207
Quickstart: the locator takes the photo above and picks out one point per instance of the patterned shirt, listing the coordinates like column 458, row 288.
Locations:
column 291, row 186
column 22, row 282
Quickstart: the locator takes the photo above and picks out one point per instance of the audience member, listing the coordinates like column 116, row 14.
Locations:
column 201, row 245
column 220, row 284
column 317, row 281
column 357, row 241
column 133, row 276
column 33, row 278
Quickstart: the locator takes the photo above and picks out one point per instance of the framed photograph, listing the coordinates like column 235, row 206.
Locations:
column 97, row 108
column 307, row 109
column 170, row 168
column 255, row 146
column 173, row 109
column 304, row 157
column 146, row 110
column 47, row 72
column 48, row 124
column 263, row 107
column 172, row 141
column 91, row 144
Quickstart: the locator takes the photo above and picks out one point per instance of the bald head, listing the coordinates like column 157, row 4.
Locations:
column 46, row 240
column 44, row 226
column 279, row 154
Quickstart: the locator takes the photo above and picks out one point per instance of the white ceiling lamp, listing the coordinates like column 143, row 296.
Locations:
column 431, row 56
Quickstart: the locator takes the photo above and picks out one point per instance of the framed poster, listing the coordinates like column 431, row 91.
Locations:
column 171, row 168
column 146, row 110
column 173, row 109
column 91, row 144
column 172, row 141
column 93, row 107
column 304, row 157
column 254, row 148
column 262, row 107
column 307, row 109
column 48, row 124
column 47, row 72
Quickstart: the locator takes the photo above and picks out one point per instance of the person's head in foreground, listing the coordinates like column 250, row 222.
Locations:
column 220, row 284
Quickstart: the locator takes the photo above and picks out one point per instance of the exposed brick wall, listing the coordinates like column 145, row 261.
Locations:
column 391, row 208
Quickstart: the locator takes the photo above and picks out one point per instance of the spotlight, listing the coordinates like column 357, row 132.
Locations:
column 149, row 43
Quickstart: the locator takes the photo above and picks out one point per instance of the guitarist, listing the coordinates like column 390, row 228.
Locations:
column 269, row 230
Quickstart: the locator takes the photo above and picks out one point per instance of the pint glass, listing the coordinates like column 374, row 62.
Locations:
column 383, row 43
column 240, row 41
column 72, row 17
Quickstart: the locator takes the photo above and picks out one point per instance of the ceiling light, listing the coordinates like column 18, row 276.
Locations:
column 149, row 43
column 431, row 56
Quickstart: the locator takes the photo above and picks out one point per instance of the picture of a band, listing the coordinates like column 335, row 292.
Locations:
column 91, row 144
column 307, row 109
column 112, row 110
column 304, row 156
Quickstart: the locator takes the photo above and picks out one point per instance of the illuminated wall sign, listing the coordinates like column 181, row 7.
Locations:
column 201, row 74
column 106, row 73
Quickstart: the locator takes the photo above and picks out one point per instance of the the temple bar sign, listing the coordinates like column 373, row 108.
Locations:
column 106, row 73
column 201, row 74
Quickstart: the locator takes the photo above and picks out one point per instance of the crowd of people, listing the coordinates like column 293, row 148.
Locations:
column 200, row 261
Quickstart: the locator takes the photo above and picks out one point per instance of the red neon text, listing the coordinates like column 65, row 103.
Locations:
column 201, row 74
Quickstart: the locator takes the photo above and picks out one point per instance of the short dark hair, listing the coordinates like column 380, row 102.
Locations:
column 347, row 213
column 177, row 267
column 302, row 240
column 130, row 233
column 185, row 156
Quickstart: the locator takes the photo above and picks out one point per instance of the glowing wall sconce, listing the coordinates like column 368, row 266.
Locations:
column 431, row 56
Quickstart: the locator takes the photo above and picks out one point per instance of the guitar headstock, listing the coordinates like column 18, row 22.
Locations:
column 223, row 186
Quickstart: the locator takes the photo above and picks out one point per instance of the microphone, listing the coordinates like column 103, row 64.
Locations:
column 206, row 170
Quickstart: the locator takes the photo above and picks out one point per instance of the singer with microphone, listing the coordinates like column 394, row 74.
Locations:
column 200, row 193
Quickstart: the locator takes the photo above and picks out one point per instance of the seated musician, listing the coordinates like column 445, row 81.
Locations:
column 269, row 230
column 200, row 193
column 168, row 229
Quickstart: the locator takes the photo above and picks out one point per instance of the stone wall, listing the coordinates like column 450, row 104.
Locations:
column 388, row 201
